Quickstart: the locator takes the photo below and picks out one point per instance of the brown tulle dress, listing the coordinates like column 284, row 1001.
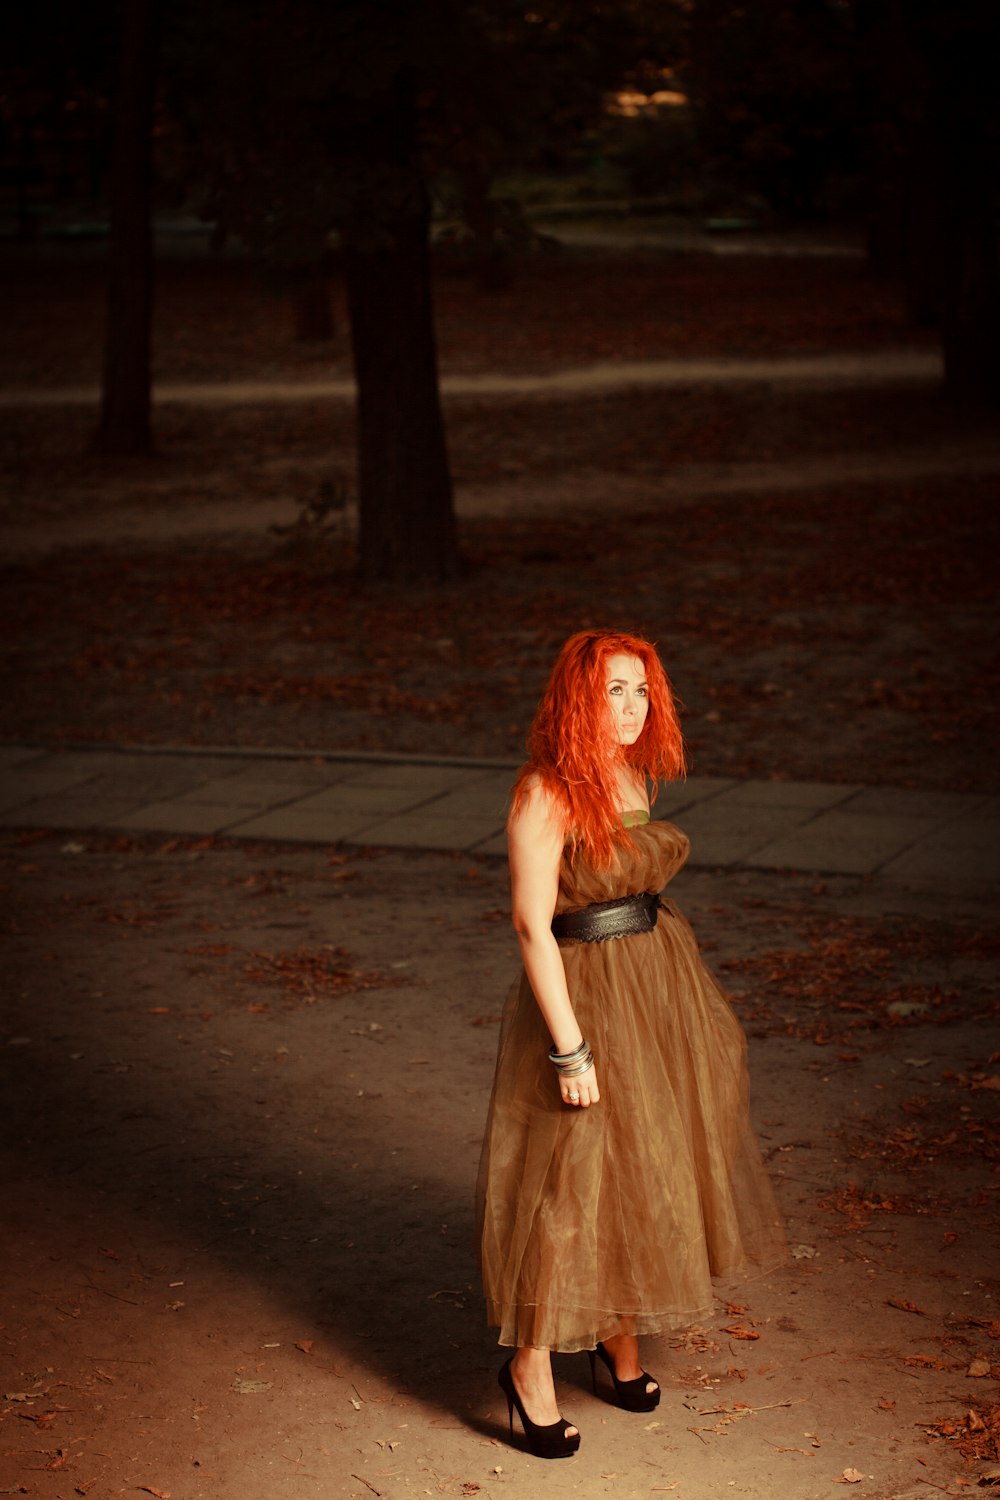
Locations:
column 614, row 1219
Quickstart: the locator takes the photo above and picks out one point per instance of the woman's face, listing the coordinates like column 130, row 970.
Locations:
column 628, row 696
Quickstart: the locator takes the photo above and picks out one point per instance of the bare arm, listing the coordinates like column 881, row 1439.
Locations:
column 535, row 837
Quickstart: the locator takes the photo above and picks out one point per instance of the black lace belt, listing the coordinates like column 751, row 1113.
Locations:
column 608, row 919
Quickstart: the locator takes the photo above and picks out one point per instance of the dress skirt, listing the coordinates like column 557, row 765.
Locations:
column 615, row 1219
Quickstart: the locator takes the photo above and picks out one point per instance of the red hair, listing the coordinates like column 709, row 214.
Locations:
column 569, row 740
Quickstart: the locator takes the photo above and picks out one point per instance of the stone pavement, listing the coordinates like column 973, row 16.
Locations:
column 943, row 841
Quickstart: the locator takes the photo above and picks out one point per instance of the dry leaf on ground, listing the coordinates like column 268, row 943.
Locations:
column 905, row 1306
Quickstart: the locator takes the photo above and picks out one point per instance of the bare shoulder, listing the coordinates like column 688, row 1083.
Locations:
column 536, row 815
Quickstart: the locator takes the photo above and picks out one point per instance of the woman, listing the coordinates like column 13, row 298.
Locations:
column 619, row 1171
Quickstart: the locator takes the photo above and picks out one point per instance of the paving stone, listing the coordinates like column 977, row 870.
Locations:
column 68, row 810
column 23, row 786
column 842, row 843
column 808, row 796
column 906, row 802
column 369, row 802
column 906, row 835
column 486, row 798
column 305, row 773
column 711, row 848
column 828, row 858
column 723, row 835
column 296, row 827
column 421, row 779
column 238, row 791
column 177, row 817
column 972, row 864
column 417, row 831
column 694, row 789
column 160, row 783
column 967, row 833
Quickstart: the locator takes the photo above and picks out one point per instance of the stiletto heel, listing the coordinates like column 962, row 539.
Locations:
column 632, row 1394
column 548, row 1440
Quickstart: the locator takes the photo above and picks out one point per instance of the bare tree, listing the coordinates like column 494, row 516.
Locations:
column 125, row 426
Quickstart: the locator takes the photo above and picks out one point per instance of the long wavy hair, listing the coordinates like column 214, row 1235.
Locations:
column 573, row 728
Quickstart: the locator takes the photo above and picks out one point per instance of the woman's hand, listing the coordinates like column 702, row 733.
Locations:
column 581, row 1091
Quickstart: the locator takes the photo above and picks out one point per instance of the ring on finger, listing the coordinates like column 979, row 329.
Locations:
column 574, row 1098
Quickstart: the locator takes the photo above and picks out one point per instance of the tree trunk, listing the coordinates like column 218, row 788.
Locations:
column 968, row 128
column 971, row 333
column 407, row 525
column 905, row 226
column 125, row 392
column 936, row 143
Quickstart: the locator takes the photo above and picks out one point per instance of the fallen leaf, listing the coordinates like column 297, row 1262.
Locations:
column 978, row 1368
column 905, row 1306
column 250, row 1387
column 150, row 1489
column 850, row 1476
column 306, row 1345
column 740, row 1331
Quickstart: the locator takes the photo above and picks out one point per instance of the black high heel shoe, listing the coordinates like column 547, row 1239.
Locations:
column 548, row 1441
column 632, row 1394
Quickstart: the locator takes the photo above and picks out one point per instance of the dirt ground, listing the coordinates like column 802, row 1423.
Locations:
column 808, row 631
column 244, row 1085
column 244, row 1093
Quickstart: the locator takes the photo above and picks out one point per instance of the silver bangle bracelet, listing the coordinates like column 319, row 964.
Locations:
column 582, row 1066
column 568, row 1058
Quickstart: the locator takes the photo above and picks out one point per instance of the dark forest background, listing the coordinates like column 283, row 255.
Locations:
column 364, row 138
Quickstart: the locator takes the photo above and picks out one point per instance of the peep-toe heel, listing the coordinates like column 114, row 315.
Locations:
column 632, row 1395
column 550, row 1440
